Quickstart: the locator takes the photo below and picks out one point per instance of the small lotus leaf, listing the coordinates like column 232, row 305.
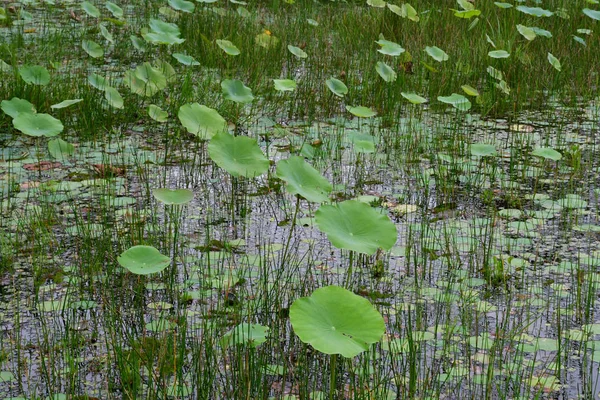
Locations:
column 228, row 47
column 201, row 121
column 238, row 155
column 284, row 85
column 499, row 54
column 297, row 51
column 245, row 334
column 356, row 226
column 182, row 5
column 35, row 75
column 173, row 196
column 414, row 98
column 38, row 124
column 436, row 53
column 59, row 149
column 16, row 106
column 483, row 150
column 337, row 87
column 554, row 62
column 547, row 152
column 157, row 113
column 593, row 14
column 361, row 111
column 334, row 320
column 458, row 101
column 114, row 9
column 535, row 11
column 65, row 104
column 235, row 90
column 303, row 179
column 90, row 9
column 113, row 97
column 389, row 48
column 92, row 48
column 185, row 59
column 143, row 260
column 385, row 72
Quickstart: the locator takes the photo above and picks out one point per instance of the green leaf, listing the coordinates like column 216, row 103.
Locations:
column 334, row 320
column 97, row 81
column 201, row 121
column 337, row 87
column 138, row 43
column 470, row 90
column 114, row 9
column 16, row 106
column 90, row 9
column 297, row 51
column 145, row 80
column 266, row 40
column 554, row 62
column 235, row 90
column 182, row 5
column 284, row 85
column 535, row 11
column 457, row 101
column 143, row 260
column 173, row 196
column 499, row 54
column 157, row 114
column 59, row 149
column 163, row 33
column 238, row 155
column 494, row 73
column 404, row 11
column 483, row 150
column 467, row 14
column 436, row 53
column 113, row 97
column 363, row 143
column 245, row 334
column 465, row 5
column 355, row 226
column 92, row 48
column 503, row 5
column 65, row 104
column 361, row 111
column 228, row 47
column 547, row 152
column 541, row 32
column 106, row 34
column 185, row 59
column 385, row 72
column 302, row 179
column 38, row 124
column 389, row 48
column 593, row 14
column 414, row 98
column 527, row 32
column 35, row 75
column 376, row 3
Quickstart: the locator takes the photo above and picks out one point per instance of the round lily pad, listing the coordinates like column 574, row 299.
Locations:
column 173, row 196
column 334, row 320
column 38, row 124
column 143, row 260
column 238, row 155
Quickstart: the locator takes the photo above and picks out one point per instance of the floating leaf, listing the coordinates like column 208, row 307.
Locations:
column 554, row 62
column 92, row 48
column 389, row 48
column 499, row 54
column 483, row 150
column 361, row 111
column 414, row 98
column 245, row 334
column 90, row 9
column 143, row 260
column 185, row 59
column 527, row 32
column 337, row 87
column 145, row 80
column 114, row 9
column 35, row 75
column 284, row 85
column 436, row 53
column 238, row 155
column 458, row 101
column 385, row 71
column 163, row 33
column 228, row 47
column 547, row 152
column 535, row 11
column 59, row 149
column 355, row 226
column 182, row 5
column 113, row 97
column 363, row 143
column 297, row 51
column 173, row 196
column 157, row 113
column 16, row 106
column 201, row 121
column 303, row 179
column 235, row 90
column 38, row 124
column 334, row 320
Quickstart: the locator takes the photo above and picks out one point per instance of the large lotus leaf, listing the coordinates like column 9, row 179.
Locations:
column 143, row 260
column 235, row 90
column 145, row 80
column 38, row 124
column 337, row 87
column 356, row 226
column 238, row 155
column 173, row 196
column 334, row 320
column 250, row 334
column 16, row 106
column 303, row 179
column 201, row 121
column 35, row 75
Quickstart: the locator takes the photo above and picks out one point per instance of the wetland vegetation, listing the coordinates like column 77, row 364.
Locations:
column 296, row 199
